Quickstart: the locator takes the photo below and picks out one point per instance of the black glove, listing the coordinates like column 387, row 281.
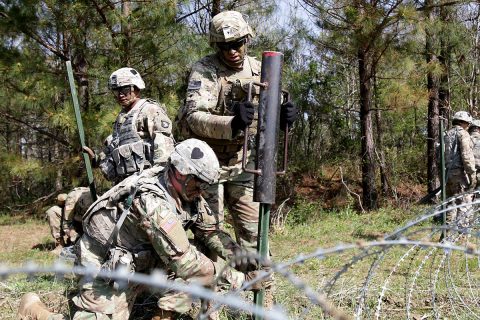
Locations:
column 244, row 113
column 288, row 115
column 264, row 283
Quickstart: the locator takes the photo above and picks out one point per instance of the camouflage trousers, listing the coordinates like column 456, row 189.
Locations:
column 54, row 219
column 457, row 184
column 236, row 194
column 99, row 300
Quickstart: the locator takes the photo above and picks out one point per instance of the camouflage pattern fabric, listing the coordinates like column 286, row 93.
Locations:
column 54, row 218
column 229, row 26
column 77, row 202
column 97, row 299
column 456, row 184
column 155, row 222
column 461, row 172
column 207, row 114
column 154, row 128
column 458, row 151
column 475, row 136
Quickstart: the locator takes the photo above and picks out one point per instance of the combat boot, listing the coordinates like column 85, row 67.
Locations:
column 32, row 308
column 164, row 315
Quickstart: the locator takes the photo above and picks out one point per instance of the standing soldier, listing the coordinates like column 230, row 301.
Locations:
column 153, row 230
column 474, row 131
column 217, row 111
column 460, row 165
column 142, row 133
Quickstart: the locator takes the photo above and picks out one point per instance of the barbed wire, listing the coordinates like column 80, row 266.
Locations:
column 421, row 270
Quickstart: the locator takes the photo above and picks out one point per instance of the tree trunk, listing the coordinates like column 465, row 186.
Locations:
column 216, row 7
column 433, row 109
column 370, row 195
column 444, row 59
column 127, row 33
column 380, row 153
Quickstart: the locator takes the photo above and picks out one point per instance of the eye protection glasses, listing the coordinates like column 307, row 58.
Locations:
column 122, row 90
column 227, row 46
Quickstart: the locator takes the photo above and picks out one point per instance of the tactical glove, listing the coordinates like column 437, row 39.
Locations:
column 243, row 260
column 263, row 283
column 244, row 114
column 288, row 115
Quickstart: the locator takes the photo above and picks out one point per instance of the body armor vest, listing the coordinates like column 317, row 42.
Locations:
column 453, row 159
column 129, row 152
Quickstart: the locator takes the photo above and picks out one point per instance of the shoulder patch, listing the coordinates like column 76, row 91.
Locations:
column 194, row 85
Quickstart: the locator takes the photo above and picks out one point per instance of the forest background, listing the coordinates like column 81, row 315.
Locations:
column 372, row 80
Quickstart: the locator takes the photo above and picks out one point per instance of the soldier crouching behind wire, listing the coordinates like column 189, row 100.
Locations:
column 156, row 207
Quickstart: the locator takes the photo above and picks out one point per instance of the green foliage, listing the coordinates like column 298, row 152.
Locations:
column 320, row 72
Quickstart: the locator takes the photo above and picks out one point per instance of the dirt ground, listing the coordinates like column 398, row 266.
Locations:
column 22, row 237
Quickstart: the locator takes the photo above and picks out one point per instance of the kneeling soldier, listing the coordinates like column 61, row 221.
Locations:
column 155, row 208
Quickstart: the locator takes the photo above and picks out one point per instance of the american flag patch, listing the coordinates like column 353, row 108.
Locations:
column 168, row 225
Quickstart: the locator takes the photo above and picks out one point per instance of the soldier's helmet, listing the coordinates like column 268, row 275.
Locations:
column 228, row 26
column 195, row 157
column 61, row 198
column 125, row 77
column 463, row 116
column 475, row 124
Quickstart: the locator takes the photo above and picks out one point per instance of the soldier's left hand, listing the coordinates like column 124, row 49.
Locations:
column 288, row 115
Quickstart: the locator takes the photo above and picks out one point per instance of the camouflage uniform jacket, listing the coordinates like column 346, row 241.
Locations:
column 154, row 198
column 207, row 113
column 142, row 133
column 77, row 202
column 458, row 151
column 475, row 136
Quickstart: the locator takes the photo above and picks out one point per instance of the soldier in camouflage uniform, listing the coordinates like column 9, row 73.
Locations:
column 54, row 217
column 460, row 166
column 217, row 111
column 65, row 219
column 142, row 133
column 153, row 232
column 474, row 132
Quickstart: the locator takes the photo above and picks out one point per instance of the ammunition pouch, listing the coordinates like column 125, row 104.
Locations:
column 117, row 258
column 125, row 160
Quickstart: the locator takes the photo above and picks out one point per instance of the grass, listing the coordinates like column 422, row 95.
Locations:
column 308, row 228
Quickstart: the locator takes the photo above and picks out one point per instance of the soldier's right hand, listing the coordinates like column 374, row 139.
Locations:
column 262, row 281
column 244, row 114
column 89, row 151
